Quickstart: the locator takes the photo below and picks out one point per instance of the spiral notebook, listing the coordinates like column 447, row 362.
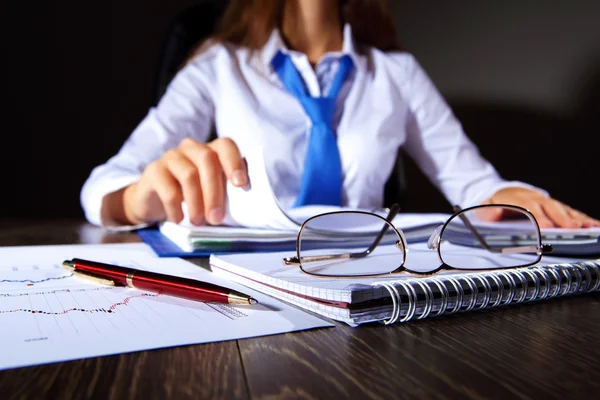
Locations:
column 402, row 297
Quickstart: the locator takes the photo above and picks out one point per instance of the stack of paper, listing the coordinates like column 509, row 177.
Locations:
column 226, row 238
column 255, row 221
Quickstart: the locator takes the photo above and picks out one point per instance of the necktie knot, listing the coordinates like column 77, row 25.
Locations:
column 320, row 110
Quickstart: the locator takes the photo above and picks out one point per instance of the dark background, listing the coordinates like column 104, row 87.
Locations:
column 523, row 77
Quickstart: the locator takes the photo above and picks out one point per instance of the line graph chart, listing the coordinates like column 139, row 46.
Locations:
column 48, row 315
column 108, row 310
column 47, row 301
column 31, row 282
column 21, row 275
column 88, row 310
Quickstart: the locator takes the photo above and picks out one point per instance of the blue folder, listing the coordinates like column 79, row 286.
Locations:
column 163, row 247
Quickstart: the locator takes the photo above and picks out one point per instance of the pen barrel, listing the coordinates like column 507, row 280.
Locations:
column 159, row 283
column 180, row 287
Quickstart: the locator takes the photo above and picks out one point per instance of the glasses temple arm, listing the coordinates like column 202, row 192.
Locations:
column 307, row 259
column 391, row 215
column 544, row 249
column 468, row 224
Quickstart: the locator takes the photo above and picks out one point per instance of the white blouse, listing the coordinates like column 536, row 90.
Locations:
column 386, row 102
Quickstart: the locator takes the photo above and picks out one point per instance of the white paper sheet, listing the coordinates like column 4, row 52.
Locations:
column 254, row 219
column 46, row 315
column 257, row 207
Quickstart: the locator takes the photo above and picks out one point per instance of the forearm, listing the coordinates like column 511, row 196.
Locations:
column 114, row 211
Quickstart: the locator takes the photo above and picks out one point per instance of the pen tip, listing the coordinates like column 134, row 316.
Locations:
column 67, row 264
column 240, row 299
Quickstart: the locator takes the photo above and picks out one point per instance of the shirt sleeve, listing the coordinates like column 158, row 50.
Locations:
column 185, row 110
column 438, row 144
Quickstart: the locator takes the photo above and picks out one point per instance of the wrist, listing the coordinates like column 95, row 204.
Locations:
column 128, row 205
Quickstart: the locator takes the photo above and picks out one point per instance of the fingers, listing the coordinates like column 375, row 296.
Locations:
column 586, row 221
column 489, row 214
column 564, row 216
column 193, row 172
column 543, row 220
column 231, row 160
column 211, row 180
column 558, row 213
column 213, row 183
column 168, row 190
column 186, row 174
column 547, row 211
column 214, row 162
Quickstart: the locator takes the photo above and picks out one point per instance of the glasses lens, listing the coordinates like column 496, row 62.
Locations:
column 344, row 244
column 471, row 240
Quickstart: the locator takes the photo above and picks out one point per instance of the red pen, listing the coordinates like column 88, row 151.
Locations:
column 153, row 282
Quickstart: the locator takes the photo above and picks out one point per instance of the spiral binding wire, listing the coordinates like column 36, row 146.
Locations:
column 435, row 296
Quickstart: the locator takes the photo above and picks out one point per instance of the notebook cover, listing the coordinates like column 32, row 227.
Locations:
column 163, row 247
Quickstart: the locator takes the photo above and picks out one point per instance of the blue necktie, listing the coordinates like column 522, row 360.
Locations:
column 322, row 176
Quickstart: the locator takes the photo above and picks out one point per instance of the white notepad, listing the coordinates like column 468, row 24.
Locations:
column 359, row 300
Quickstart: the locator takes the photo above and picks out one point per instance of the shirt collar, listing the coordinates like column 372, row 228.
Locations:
column 276, row 43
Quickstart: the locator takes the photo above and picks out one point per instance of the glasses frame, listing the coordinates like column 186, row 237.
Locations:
column 434, row 242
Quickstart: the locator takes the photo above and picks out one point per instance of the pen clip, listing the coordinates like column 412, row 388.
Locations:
column 94, row 278
column 70, row 265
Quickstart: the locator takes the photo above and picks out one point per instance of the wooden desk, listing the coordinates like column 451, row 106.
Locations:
column 534, row 351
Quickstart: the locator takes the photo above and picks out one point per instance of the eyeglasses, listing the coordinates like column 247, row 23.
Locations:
column 359, row 244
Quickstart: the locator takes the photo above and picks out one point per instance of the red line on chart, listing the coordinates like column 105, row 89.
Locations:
column 108, row 310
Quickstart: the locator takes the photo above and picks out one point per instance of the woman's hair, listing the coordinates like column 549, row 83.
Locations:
column 249, row 23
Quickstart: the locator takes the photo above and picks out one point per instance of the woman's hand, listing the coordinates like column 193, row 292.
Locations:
column 548, row 211
column 193, row 172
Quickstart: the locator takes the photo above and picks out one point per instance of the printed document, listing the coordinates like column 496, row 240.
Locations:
column 47, row 315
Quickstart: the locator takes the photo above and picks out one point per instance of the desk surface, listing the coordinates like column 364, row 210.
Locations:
column 544, row 350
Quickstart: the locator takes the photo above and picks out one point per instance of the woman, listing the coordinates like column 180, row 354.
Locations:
column 257, row 81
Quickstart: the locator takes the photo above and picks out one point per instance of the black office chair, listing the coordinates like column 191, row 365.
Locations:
column 189, row 27
column 195, row 24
